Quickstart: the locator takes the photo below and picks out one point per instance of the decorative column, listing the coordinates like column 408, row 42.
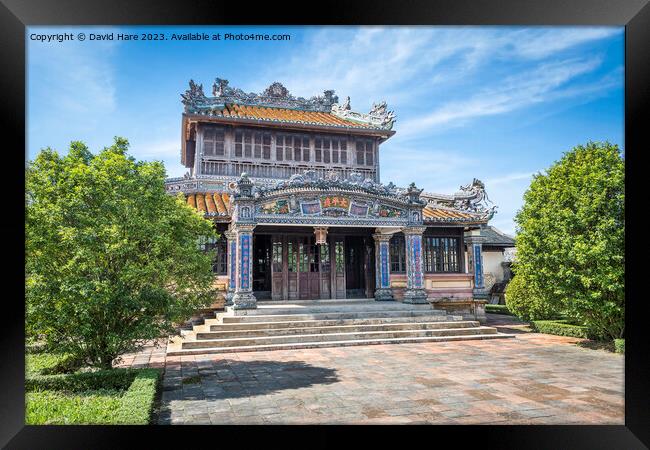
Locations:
column 231, row 238
column 415, row 292
column 243, row 223
column 475, row 255
column 243, row 297
column 383, row 291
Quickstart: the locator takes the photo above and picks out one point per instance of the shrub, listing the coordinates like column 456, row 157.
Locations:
column 571, row 238
column 525, row 301
column 619, row 345
column 112, row 260
column 560, row 328
column 498, row 309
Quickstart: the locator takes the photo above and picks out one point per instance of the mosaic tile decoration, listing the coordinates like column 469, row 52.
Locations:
column 383, row 252
column 245, row 243
column 233, row 264
column 478, row 267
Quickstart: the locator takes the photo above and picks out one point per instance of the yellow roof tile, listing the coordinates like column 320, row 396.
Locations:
column 287, row 115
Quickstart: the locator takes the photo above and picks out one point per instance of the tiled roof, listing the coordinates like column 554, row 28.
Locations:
column 496, row 237
column 211, row 203
column 432, row 214
column 284, row 115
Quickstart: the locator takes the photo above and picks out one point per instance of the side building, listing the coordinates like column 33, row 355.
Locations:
column 293, row 187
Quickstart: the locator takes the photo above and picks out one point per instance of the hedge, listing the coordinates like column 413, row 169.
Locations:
column 498, row 309
column 117, row 396
column 560, row 328
column 619, row 345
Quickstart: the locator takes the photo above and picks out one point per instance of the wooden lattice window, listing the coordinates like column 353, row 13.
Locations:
column 441, row 254
column 252, row 144
column 277, row 256
column 398, row 254
column 219, row 248
column 331, row 150
column 213, row 141
column 365, row 152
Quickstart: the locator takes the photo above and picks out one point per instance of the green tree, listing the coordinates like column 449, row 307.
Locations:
column 526, row 301
column 570, row 237
column 111, row 259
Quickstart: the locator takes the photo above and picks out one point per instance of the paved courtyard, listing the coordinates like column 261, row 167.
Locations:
column 531, row 379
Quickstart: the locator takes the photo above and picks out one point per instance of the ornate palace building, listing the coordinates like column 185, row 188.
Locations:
column 293, row 187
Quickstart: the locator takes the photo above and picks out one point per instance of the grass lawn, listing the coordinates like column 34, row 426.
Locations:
column 118, row 396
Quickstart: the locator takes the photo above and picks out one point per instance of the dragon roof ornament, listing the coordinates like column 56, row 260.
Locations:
column 471, row 198
column 332, row 180
column 277, row 95
column 379, row 116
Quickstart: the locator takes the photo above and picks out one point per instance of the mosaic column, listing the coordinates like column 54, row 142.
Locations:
column 415, row 292
column 232, row 265
column 383, row 291
column 243, row 297
column 475, row 255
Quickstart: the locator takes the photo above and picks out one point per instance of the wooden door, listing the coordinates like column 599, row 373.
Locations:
column 308, row 273
column 278, row 275
column 338, row 267
column 354, row 267
column 314, row 268
column 292, row 268
column 262, row 266
column 325, row 270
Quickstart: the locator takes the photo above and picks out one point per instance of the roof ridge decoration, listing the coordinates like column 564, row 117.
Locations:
column 332, row 180
column 471, row 198
column 378, row 116
column 278, row 96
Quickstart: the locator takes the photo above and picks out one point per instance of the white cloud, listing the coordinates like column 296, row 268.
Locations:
column 370, row 62
column 426, row 167
column 159, row 149
column 540, row 43
column 509, row 178
column 541, row 84
column 507, row 191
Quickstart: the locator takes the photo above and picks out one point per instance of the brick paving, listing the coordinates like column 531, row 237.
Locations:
column 532, row 379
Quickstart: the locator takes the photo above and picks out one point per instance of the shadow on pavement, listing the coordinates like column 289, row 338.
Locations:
column 232, row 378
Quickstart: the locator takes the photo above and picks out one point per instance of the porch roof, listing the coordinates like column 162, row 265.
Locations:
column 432, row 214
column 217, row 205
column 212, row 204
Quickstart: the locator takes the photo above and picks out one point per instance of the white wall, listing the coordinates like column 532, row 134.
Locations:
column 492, row 265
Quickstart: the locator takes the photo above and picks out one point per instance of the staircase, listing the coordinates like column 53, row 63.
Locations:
column 325, row 323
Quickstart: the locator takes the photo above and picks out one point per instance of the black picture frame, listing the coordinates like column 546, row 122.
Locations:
column 15, row 15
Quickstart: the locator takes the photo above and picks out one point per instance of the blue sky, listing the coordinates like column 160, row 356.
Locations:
column 495, row 103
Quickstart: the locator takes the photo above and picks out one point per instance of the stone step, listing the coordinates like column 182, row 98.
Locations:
column 315, row 308
column 350, row 336
column 215, row 326
column 331, row 315
column 228, row 334
column 320, row 301
column 177, row 350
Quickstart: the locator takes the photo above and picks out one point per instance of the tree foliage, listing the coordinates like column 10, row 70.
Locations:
column 111, row 259
column 570, row 239
column 526, row 301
